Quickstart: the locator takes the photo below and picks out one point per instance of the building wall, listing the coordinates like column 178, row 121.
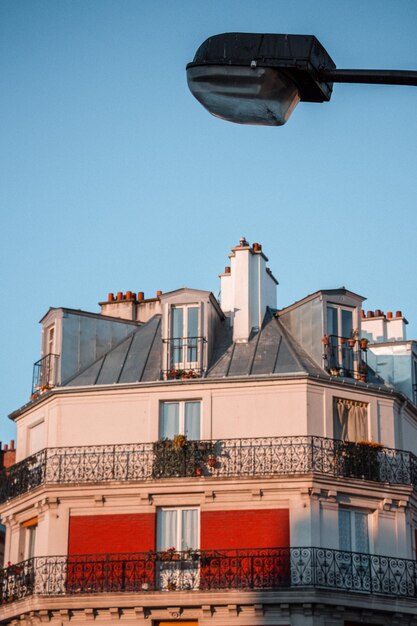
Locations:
column 246, row 409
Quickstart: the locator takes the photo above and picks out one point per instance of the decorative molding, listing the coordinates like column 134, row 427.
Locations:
column 174, row 611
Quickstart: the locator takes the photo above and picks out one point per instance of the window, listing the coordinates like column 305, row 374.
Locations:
column 180, row 418
column 339, row 329
column 27, row 539
column 178, row 528
column 50, row 340
column 353, row 531
column 36, row 438
column 184, row 337
column 350, row 420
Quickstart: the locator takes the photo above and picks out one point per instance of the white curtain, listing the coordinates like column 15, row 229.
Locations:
column 167, row 530
column 170, row 420
column 192, row 420
column 189, row 539
column 177, row 528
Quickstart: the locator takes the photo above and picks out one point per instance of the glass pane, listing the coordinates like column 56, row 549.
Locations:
column 347, row 322
column 169, row 421
column 192, row 420
column 31, row 536
column 332, row 321
column 189, row 537
column 192, row 321
column 361, row 533
column 192, row 334
column 177, row 323
column 344, row 530
column 166, row 531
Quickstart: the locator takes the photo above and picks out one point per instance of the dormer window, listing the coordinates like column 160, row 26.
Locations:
column 190, row 321
column 340, row 334
column 184, row 346
column 184, row 337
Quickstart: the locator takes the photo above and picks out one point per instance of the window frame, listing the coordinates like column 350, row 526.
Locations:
column 353, row 535
column 181, row 416
column 344, row 359
column 184, row 338
column 27, row 539
column 179, row 539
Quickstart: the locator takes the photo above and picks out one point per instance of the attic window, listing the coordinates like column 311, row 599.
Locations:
column 185, row 342
column 184, row 336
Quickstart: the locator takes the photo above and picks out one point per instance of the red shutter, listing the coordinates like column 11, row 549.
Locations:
column 267, row 528
column 104, row 534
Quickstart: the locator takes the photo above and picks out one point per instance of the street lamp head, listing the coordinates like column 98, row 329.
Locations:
column 258, row 79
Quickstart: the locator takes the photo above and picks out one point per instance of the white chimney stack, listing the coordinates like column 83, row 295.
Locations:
column 247, row 289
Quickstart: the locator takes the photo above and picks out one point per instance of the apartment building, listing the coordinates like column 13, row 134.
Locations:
column 226, row 463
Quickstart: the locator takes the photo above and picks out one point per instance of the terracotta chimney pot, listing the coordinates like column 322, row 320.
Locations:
column 158, row 294
column 110, row 297
column 389, row 315
column 141, row 296
column 227, row 270
column 119, row 295
column 398, row 314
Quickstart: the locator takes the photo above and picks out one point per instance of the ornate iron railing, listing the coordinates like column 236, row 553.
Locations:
column 268, row 456
column 344, row 356
column 267, row 568
column 184, row 357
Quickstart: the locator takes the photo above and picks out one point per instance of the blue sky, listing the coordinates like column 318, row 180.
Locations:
column 113, row 178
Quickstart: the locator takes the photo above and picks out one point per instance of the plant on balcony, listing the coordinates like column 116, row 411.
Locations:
column 177, row 374
column 359, row 459
column 364, row 344
column 179, row 441
column 326, row 340
column 212, row 460
column 179, row 457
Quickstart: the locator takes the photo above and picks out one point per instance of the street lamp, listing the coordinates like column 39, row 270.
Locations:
column 259, row 79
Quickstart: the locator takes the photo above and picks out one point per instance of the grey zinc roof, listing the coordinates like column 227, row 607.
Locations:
column 136, row 358
column 270, row 351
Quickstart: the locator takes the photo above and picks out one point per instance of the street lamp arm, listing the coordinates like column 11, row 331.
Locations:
column 376, row 77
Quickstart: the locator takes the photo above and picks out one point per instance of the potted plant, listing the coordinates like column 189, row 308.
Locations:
column 198, row 471
column 179, row 441
column 363, row 344
column 326, row 340
column 212, row 460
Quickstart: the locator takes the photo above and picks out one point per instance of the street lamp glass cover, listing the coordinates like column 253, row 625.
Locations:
column 245, row 95
column 258, row 79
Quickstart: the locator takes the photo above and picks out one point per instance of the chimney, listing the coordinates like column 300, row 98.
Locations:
column 374, row 326
column 396, row 327
column 7, row 455
column 247, row 288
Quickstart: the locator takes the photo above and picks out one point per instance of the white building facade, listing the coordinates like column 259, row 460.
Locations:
column 184, row 460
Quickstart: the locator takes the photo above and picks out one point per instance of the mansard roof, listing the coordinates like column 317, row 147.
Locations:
column 138, row 357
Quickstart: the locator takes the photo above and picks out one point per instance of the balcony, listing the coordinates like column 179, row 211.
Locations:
column 44, row 374
column 184, row 357
column 345, row 356
column 269, row 456
column 219, row 570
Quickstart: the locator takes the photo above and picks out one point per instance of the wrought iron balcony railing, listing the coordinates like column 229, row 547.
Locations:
column 184, row 357
column 244, row 569
column 269, row 456
column 45, row 373
column 345, row 356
